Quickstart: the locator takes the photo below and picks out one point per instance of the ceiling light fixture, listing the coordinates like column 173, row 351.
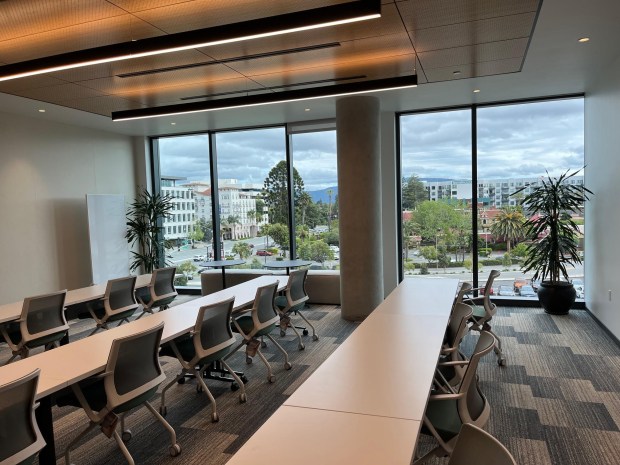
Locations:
column 476, row 91
column 311, row 93
column 343, row 13
column 584, row 39
column 41, row 110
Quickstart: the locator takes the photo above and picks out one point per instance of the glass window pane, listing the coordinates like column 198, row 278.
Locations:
column 253, row 195
column 185, row 176
column 517, row 145
column 316, row 211
column 437, row 194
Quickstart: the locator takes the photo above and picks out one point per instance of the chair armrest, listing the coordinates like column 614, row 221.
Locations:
column 453, row 363
column 434, row 397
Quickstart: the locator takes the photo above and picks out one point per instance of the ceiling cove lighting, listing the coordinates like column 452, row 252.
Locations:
column 311, row 93
column 333, row 15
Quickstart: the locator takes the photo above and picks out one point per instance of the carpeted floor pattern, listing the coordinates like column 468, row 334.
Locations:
column 557, row 402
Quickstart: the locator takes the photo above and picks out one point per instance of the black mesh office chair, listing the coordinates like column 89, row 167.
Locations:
column 210, row 341
column 118, row 304
column 42, row 324
column 450, row 370
column 20, row 438
column 160, row 293
column 447, row 411
column 131, row 377
column 293, row 302
column 262, row 319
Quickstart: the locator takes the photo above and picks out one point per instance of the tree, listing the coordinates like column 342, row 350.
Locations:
column 242, row 249
column 260, row 210
column 509, row 224
column 506, row 260
column 414, row 192
column 275, row 192
column 196, row 234
column 206, row 227
column 433, row 217
column 317, row 251
column 409, row 230
column 429, row 253
column 302, row 206
column 187, row 268
column 279, row 233
column 232, row 221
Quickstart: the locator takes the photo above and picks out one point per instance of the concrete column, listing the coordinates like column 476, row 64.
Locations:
column 359, row 205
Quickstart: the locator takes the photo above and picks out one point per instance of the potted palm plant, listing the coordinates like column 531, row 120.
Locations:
column 144, row 229
column 553, row 235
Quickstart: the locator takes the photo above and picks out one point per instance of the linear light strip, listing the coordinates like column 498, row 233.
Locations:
column 312, row 93
column 343, row 13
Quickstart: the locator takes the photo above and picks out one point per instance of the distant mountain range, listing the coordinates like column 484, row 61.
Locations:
column 322, row 194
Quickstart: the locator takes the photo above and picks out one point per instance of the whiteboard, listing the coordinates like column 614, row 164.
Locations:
column 109, row 251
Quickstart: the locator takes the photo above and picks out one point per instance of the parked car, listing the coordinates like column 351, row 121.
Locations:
column 519, row 282
column 263, row 253
column 199, row 258
column 506, row 291
column 527, row 291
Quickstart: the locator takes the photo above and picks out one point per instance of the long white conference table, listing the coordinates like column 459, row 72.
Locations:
column 366, row 402
column 78, row 360
column 12, row 311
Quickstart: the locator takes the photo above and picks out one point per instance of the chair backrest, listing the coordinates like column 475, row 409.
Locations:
column 472, row 405
column 120, row 295
column 162, row 286
column 212, row 331
column 133, row 366
column 463, row 291
column 43, row 316
column 263, row 310
column 20, row 437
column 474, row 445
column 295, row 289
column 489, row 307
column 457, row 327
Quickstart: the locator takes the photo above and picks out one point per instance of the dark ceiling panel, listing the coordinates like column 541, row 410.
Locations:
column 32, row 82
column 101, row 105
column 472, row 70
column 473, row 32
column 420, row 14
column 473, row 54
column 56, row 94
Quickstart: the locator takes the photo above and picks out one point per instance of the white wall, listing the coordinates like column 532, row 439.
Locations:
column 46, row 169
column 388, row 201
column 602, row 156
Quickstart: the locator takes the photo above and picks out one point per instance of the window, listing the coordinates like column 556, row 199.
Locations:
column 316, row 208
column 436, row 158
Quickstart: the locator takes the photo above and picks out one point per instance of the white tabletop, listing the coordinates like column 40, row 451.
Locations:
column 76, row 361
column 421, row 296
column 12, row 311
column 319, row 437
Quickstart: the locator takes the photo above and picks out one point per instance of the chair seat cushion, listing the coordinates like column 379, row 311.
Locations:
column 444, row 416
column 281, row 302
column 478, row 311
column 247, row 325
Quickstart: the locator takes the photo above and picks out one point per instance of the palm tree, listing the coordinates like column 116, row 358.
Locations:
column 509, row 224
column 232, row 221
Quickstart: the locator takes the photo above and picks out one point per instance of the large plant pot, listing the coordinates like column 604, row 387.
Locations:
column 556, row 298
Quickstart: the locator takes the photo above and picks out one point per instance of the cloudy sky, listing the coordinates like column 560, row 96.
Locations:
column 513, row 141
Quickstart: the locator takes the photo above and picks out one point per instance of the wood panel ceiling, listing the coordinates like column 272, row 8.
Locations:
column 441, row 40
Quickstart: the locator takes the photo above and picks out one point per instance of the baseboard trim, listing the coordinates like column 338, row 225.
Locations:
column 600, row 323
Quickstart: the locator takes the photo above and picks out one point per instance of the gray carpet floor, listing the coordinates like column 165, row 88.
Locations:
column 557, row 402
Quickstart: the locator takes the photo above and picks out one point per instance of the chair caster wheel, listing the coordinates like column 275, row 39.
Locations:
column 271, row 379
column 163, row 410
column 214, row 417
column 243, row 398
column 126, row 435
column 263, row 344
column 234, row 387
column 315, row 338
column 305, row 332
column 282, row 333
column 288, row 366
column 501, row 361
column 181, row 380
column 244, row 379
column 248, row 360
column 302, row 347
column 174, row 450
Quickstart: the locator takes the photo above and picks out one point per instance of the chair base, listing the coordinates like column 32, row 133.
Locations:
column 217, row 372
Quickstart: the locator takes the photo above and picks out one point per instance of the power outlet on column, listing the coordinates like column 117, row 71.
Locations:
column 609, row 292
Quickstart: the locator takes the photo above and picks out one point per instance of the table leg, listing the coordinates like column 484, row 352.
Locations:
column 223, row 278
column 43, row 413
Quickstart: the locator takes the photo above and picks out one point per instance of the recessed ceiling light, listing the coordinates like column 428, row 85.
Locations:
column 41, row 110
column 584, row 39
column 457, row 73
column 174, row 124
column 306, row 109
column 476, row 91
